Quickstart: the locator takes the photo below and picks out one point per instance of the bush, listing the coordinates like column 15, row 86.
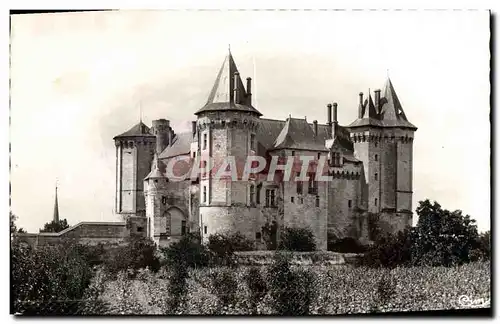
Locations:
column 346, row 245
column 224, row 286
column 390, row 251
column 297, row 239
column 139, row 253
column 223, row 246
column 257, row 286
column 292, row 291
column 188, row 252
column 49, row 280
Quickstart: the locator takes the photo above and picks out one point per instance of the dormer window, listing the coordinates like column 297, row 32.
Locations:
column 336, row 159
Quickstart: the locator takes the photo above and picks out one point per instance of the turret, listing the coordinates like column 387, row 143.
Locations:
column 161, row 129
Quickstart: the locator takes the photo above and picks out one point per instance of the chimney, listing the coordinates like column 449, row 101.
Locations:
column 193, row 127
column 249, row 91
column 315, row 123
column 329, row 114
column 360, row 110
column 335, row 122
column 377, row 100
column 236, row 90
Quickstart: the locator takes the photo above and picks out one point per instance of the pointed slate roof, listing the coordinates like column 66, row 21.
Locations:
column 181, row 145
column 392, row 113
column 139, row 129
column 298, row 134
column 155, row 169
column 221, row 96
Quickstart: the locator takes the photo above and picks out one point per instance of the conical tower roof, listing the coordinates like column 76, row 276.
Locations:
column 391, row 113
column 222, row 96
column 138, row 130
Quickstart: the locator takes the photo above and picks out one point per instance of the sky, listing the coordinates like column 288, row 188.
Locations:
column 78, row 79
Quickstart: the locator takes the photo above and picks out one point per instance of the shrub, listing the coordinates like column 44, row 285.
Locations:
column 139, row 253
column 346, row 245
column 223, row 246
column 224, row 286
column 390, row 251
column 256, row 285
column 48, row 280
column 188, row 252
column 292, row 291
column 297, row 239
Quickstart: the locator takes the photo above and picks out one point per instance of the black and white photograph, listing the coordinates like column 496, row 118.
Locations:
column 250, row 162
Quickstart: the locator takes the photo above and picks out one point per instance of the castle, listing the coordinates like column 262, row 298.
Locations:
column 370, row 163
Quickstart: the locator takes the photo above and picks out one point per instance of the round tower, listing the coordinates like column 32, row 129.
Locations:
column 161, row 129
column 227, row 127
column 155, row 195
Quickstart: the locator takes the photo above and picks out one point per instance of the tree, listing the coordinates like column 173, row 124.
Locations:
column 223, row 246
column 55, row 227
column 297, row 239
column 13, row 227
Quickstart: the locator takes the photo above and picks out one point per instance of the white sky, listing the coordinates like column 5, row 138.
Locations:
column 76, row 80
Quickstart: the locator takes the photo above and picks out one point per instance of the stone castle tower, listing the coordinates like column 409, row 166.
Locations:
column 227, row 127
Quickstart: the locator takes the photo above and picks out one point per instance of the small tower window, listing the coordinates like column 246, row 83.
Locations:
column 349, row 203
column 259, row 187
column 204, row 194
column 376, row 201
column 205, row 141
column 376, row 176
column 319, row 156
column 293, row 153
column 376, row 157
column 164, row 200
column 317, row 201
column 205, row 229
column 376, row 144
column 252, row 193
column 252, row 142
column 299, row 185
column 291, row 200
column 183, row 228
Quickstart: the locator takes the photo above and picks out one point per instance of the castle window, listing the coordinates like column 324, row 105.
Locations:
column 140, row 229
column 376, row 201
column 194, row 155
column 204, row 194
column 252, row 142
column 270, row 195
column 376, row 144
column 349, row 203
column 319, row 156
column 205, row 141
column 317, row 201
column 164, row 200
column 376, row 157
column 291, row 199
column 257, row 236
column 376, row 176
column 293, row 153
column 299, row 185
column 259, row 187
column 252, row 193
column 183, row 228
column 301, row 200
column 336, row 159
column 205, row 229
column 313, row 184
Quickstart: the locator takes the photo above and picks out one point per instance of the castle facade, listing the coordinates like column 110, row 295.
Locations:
column 369, row 164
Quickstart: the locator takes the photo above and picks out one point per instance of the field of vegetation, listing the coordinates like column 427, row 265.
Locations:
column 333, row 290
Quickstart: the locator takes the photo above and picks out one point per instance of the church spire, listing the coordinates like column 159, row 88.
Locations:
column 56, row 209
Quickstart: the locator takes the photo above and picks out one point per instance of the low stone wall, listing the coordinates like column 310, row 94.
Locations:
column 259, row 258
column 88, row 233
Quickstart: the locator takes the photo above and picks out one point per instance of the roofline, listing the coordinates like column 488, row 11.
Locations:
column 73, row 227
